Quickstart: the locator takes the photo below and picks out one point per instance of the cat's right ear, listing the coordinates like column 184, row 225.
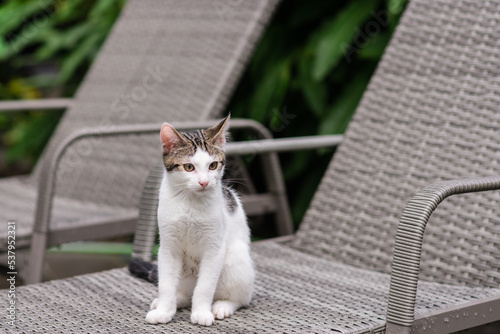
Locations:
column 170, row 138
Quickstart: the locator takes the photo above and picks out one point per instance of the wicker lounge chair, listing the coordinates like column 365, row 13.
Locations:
column 164, row 60
column 429, row 117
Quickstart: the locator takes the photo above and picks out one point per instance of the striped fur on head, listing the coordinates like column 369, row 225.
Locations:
column 178, row 147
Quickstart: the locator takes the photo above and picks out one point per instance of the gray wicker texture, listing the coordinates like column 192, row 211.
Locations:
column 431, row 113
column 163, row 61
column 21, row 196
column 295, row 292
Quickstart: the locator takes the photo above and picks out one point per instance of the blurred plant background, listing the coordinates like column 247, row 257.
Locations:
column 308, row 74
column 306, row 77
column 46, row 46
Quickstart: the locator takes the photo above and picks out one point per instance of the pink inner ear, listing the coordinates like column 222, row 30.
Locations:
column 169, row 138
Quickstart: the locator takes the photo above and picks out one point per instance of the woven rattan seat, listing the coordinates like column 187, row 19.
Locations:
column 22, row 195
column 294, row 292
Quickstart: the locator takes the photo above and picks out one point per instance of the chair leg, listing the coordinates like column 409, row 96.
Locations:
column 391, row 328
column 276, row 186
column 36, row 258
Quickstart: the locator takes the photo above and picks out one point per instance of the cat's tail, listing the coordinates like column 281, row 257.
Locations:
column 145, row 270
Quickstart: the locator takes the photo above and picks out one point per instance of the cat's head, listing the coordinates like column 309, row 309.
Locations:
column 195, row 160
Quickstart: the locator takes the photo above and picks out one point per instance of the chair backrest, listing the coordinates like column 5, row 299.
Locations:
column 430, row 113
column 163, row 61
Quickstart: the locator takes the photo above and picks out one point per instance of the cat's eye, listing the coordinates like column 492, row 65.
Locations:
column 213, row 165
column 189, row 167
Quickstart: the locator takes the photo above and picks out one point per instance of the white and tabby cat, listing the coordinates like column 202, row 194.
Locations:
column 204, row 256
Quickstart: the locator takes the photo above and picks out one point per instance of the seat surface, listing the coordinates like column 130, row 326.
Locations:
column 293, row 291
column 18, row 198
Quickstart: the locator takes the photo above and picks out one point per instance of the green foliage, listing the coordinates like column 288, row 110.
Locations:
column 308, row 75
column 45, row 48
column 331, row 41
column 65, row 33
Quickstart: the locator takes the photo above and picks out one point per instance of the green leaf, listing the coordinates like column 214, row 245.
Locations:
column 83, row 52
column 343, row 108
column 315, row 93
column 64, row 40
column 271, row 91
column 375, row 47
column 334, row 38
column 396, row 6
column 14, row 14
column 4, row 48
column 74, row 10
column 269, row 52
column 106, row 9
column 305, row 13
column 29, row 136
column 296, row 163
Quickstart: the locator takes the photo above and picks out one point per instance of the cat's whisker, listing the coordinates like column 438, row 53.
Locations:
column 234, row 179
column 240, row 182
column 183, row 192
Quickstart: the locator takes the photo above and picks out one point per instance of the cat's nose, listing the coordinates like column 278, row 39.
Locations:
column 204, row 184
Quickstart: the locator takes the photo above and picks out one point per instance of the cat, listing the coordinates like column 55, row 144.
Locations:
column 204, row 256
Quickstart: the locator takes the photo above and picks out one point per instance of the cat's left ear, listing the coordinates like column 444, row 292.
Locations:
column 218, row 133
column 170, row 138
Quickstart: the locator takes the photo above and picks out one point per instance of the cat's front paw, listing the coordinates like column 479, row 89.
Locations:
column 159, row 316
column 204, row 318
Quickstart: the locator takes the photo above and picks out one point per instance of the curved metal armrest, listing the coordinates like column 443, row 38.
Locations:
column 49, row 170
column 408, row 245
column 283, row 144
column 19, row 105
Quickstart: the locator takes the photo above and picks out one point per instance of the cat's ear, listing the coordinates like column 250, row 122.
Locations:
column 170, row 138
column 217, row 134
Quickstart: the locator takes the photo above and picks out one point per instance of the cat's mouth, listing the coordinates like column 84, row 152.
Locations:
column 202, row 189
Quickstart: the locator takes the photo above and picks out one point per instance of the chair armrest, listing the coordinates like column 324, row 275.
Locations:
column 283, row 144
column 50, row 164
column 146, row 227
column 19, row 105
column 408, row 244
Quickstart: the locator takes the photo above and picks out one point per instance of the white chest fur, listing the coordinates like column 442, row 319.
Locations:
column 190, row 221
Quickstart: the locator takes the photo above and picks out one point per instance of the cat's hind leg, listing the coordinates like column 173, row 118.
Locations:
column 154, row 304
column 235, row 286
column 224, row 308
